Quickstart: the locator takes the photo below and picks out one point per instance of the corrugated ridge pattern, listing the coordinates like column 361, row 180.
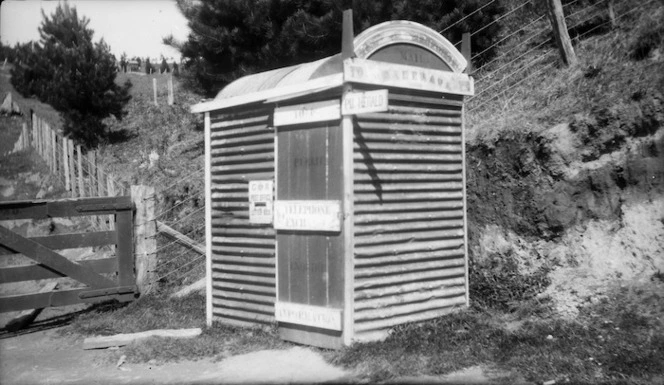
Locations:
column 243, row 254
column 408, row 226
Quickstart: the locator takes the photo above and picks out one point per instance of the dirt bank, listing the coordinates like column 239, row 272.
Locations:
column 583, row 199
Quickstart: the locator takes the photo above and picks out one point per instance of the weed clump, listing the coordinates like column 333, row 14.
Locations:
column 498, row 284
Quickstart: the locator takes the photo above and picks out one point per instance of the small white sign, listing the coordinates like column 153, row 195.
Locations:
column 316, row 316
column 307, row 215
column 404, row 76
column 307, row 113
column 362, row 102
column 260, row 201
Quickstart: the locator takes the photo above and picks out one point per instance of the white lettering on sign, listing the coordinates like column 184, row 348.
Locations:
column 362, row 102
column 260, row 201
column 316, row 316
column 307, row 113
column 398, row 75
column 307, row 215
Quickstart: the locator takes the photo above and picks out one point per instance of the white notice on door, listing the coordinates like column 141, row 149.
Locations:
column 316, row 316
column 307, row 215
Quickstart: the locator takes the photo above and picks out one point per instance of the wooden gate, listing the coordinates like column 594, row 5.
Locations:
column 119, row 280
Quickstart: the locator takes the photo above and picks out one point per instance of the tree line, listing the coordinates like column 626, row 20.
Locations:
column 228, row 39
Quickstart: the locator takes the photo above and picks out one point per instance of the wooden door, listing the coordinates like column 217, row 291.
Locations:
column 310, row 261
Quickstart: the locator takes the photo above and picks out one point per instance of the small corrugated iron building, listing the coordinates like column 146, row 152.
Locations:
column 336, row 191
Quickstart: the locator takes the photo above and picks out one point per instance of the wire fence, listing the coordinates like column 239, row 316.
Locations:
column 513, row 65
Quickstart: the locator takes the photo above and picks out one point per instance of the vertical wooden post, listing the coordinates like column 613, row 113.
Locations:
column 65, row 163
column 612, row 14
column 101, row 190
column 92, row 173
column 208, row 219
column 559, row 26
column 110, row 186
column 171, row 98
column 466, row 51
column 54, row 148
column 26, row 136
column 110, row 191
column 34, row 132
column 154, row 88
column 72, row 170
column 79, row 162
column 145, row 242
column 125, row 246
column 347, row 225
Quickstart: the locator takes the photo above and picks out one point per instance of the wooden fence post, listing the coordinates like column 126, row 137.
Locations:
column 72, row 169
column 101, row 190
column 79, row 162
column 34, row 132
column 110, row 191
column 145, row 241
column 54, row 148
column 154, row 87
column 92, row 173
column 26, row 136
column 65, row 163
column 559, row 26
column 171, row 98
column 466, row 51
column 37, row 136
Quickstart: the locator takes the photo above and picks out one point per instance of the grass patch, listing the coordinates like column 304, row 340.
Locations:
column 161, row 312
column 146, row 313
column 217, row 342
column 590, row 350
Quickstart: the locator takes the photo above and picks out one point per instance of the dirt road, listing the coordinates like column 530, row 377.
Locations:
column 47, row 357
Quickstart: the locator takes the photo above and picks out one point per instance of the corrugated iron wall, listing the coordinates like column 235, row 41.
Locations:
column 409, row 218
column 243, row 254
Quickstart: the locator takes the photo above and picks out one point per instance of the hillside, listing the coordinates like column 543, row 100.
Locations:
column 565, row 183
column 566, row 171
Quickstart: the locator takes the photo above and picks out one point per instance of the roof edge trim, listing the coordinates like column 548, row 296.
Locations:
column 315, row 85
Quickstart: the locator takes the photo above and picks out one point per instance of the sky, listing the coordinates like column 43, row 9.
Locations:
column 132, row 26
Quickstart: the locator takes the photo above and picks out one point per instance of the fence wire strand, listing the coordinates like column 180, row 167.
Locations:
column 467, row 16
column 501, row 17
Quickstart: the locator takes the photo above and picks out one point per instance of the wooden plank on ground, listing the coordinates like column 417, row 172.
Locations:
column 26, row 317
column 103, row 342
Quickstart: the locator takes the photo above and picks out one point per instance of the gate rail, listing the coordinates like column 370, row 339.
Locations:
column 52, row 265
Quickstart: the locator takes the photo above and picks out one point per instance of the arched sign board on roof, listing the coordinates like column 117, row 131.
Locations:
column 365, row 155
column 404, row 42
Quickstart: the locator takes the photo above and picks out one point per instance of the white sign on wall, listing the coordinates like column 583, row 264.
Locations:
column 362, row 102
column 260, row 201
column 316, row 316
column 399, row 75
column 313, row 215
column 307, row 113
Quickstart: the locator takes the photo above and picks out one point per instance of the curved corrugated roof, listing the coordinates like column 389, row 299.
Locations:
column 366, row 43
column 282, row 77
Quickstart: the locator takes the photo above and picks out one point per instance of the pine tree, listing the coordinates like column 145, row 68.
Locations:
column 233, row 38
column 74, row 75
